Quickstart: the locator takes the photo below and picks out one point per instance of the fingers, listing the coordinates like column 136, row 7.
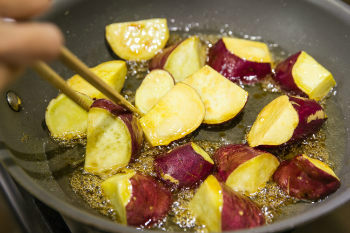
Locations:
column 21, row 9
column 22, row 44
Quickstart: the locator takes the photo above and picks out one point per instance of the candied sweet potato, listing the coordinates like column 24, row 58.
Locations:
column 114, row 137
column 244, row 168
column 300, row 74
column 306, row 178
column 240, row 60
column 221, row 209
column 137, row 199
column 138, row 40
column 181, row 59
column 65, row 119
column 222, row 99
column 184, row 166
column 178, row 113
column 153, row 87
column 286, row 119
column 111, row 72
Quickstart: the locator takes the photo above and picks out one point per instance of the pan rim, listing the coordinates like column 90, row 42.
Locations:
column 335, row 7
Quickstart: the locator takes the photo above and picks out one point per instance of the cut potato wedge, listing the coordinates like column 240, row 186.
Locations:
column 185, row 59
column 139, row 40
column 243, row 168
column 222, row 99
column 108, row 146
column 65, row 119
column 306, row 178
column 155, row 85
column 118, row 190
column 112, row 72
column 254, row 51
column 177, row 114
column 252, row 175
column 113, row 138
column 221, row 209
column 137, row 199
column 207, row 203
column 275, row 124
column 184, row 166
column 301, row 74
column 182, row 59
column 285, row 120
column 239, row 60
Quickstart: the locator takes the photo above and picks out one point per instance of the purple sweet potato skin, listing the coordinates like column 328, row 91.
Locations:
column 109, row 106
column 235, row 68
column 160, row 59
column 306, row 108
column 150, row 201
column 227, row 158
column 184, row 165
column 284, row 77
column 299, row 178
column 136, row 133
column 129, row 120
column 239, row 212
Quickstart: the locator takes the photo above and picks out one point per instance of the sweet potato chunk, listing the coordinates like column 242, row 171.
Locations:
column 112, row 72
column 112, row 138
column 301, row 74
column 154, row 86
column 182, row 59
column 221, row 209
column 177, row 114
column 240, row 60
column 118, row 190
column 184, row 166
column 139, row 40
column 285, row 120
column 243, row 168
column 137, row 199
column 222, row 99
column 210, row 193
column 65, row 119
column 306, row 178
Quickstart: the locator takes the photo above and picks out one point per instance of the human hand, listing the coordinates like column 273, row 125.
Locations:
column 23, row 43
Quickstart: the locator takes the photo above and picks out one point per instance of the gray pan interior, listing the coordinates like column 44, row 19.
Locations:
column 320, row 27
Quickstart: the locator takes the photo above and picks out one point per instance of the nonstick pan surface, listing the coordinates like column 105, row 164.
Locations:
column 321, row 27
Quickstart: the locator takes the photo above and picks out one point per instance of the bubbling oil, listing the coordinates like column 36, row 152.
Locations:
column 271, row 198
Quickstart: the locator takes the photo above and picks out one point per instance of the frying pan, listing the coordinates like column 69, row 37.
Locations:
column 320, row 27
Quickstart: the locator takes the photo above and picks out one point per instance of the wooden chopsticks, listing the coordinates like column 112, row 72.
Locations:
column 74, row 63
column 57, row 81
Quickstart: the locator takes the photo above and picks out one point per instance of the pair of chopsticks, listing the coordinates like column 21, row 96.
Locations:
column 74, row 63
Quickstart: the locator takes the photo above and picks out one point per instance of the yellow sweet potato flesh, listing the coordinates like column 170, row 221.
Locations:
column 155, row 85
column 185, row 59
column 65, row 119
column 252, row 175
column 321, row 165
column 250, row 50
column 311, row 77
column 177, row 114
column 222, row 98
column 139, row 40
column 118, row 190
column 111, row 72
column 275, row 123
column 207, row 203
column 108, row 146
